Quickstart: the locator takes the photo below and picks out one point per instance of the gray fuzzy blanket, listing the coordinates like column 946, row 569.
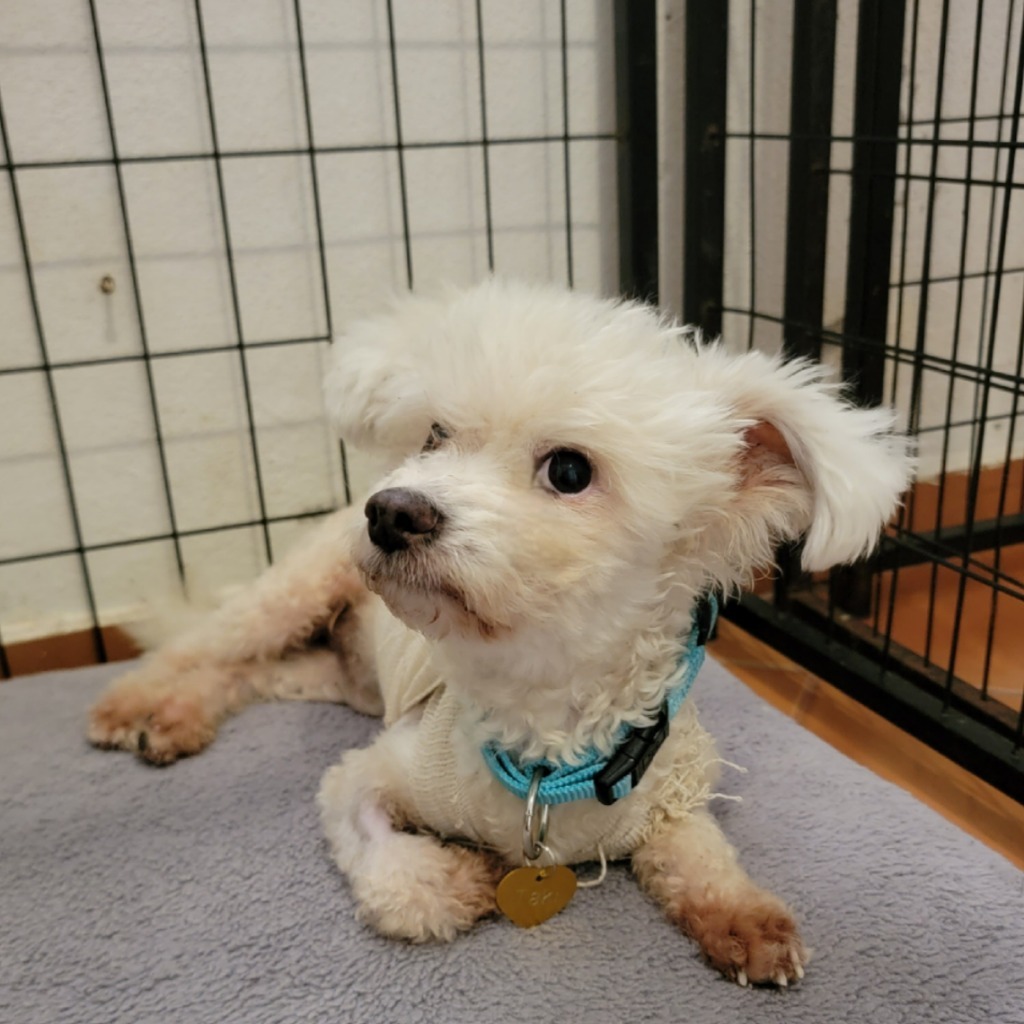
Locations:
column 204, row 893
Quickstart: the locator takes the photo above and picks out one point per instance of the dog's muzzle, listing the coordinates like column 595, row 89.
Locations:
column 398, row 518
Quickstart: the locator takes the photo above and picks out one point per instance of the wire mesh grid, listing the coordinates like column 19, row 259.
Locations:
column 196, row 195
column 868, row 200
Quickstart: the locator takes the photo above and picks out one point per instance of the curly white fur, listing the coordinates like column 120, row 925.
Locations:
column 546, row 619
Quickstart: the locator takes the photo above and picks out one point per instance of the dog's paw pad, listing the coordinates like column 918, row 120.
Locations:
column 145, row 718
column 756, row 943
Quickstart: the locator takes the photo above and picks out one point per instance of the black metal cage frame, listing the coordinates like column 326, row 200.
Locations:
column 839, row 630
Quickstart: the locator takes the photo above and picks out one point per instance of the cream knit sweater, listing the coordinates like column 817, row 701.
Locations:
column 455, row 795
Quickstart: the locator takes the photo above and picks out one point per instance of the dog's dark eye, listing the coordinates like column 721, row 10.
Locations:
column 437, row 436
column 567, row 471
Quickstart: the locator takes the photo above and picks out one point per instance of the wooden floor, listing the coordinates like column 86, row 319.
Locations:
column 851, row 728
column 990, row 640
column 927, row 599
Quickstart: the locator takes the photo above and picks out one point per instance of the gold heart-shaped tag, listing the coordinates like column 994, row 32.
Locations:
column 529, row 896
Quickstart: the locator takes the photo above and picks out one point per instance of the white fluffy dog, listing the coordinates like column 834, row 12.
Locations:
column 570, row 477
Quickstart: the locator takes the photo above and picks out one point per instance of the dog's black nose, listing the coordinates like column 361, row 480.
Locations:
column 399, row 517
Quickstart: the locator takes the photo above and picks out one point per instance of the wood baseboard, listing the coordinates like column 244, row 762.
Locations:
column 995, row 497
column 69, row 650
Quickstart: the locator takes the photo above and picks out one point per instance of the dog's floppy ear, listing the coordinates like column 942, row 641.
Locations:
column 373, row 388
column 850, row 460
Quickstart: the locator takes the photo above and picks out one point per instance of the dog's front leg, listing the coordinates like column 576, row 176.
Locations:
column 408, row 885
column 747, row 933
column 256, row 647
column 162, row 710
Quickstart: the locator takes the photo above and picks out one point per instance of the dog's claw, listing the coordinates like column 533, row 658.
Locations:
column 143, row 742
column 741, row 977
column 798, row 968
column 780, row 980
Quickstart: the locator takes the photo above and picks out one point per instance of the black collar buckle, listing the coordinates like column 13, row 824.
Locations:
column 637, row 750
column 633, row 757
column 704, row 618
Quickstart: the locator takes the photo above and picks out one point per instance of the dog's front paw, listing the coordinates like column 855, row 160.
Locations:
column 753, row 942
column 152, row 717
column 413, row 888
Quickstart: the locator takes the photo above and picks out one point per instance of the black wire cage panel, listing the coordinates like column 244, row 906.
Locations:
column 854, row 195
column 195, row 194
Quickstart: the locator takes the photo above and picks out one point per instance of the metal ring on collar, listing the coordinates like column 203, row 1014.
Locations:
column 535, row 826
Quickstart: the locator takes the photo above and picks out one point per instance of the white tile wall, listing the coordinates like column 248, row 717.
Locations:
column 446, row 215
column 524, row 241
column 362, row 222
column 254, row 68
column 127, row 578
column 115, row 468
column 590, row 51
column 34, row 512
column 178, row 239
column 20, row 343
column 206, row 436
column 217, row 561
column 53, row 104
column 347, row 56
column 50, row 81
column 151, row 53
column 76, row 238
column 299, row 460
column 524, row 70
column 842, row 156
column 594, row 226
column 767, row 229
column 270, row 212
column 438, row 74
column 49, row 593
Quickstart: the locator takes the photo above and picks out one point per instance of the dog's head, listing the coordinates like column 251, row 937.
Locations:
column 576, row 466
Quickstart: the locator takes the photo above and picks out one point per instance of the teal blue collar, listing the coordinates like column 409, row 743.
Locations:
column 608, row 779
